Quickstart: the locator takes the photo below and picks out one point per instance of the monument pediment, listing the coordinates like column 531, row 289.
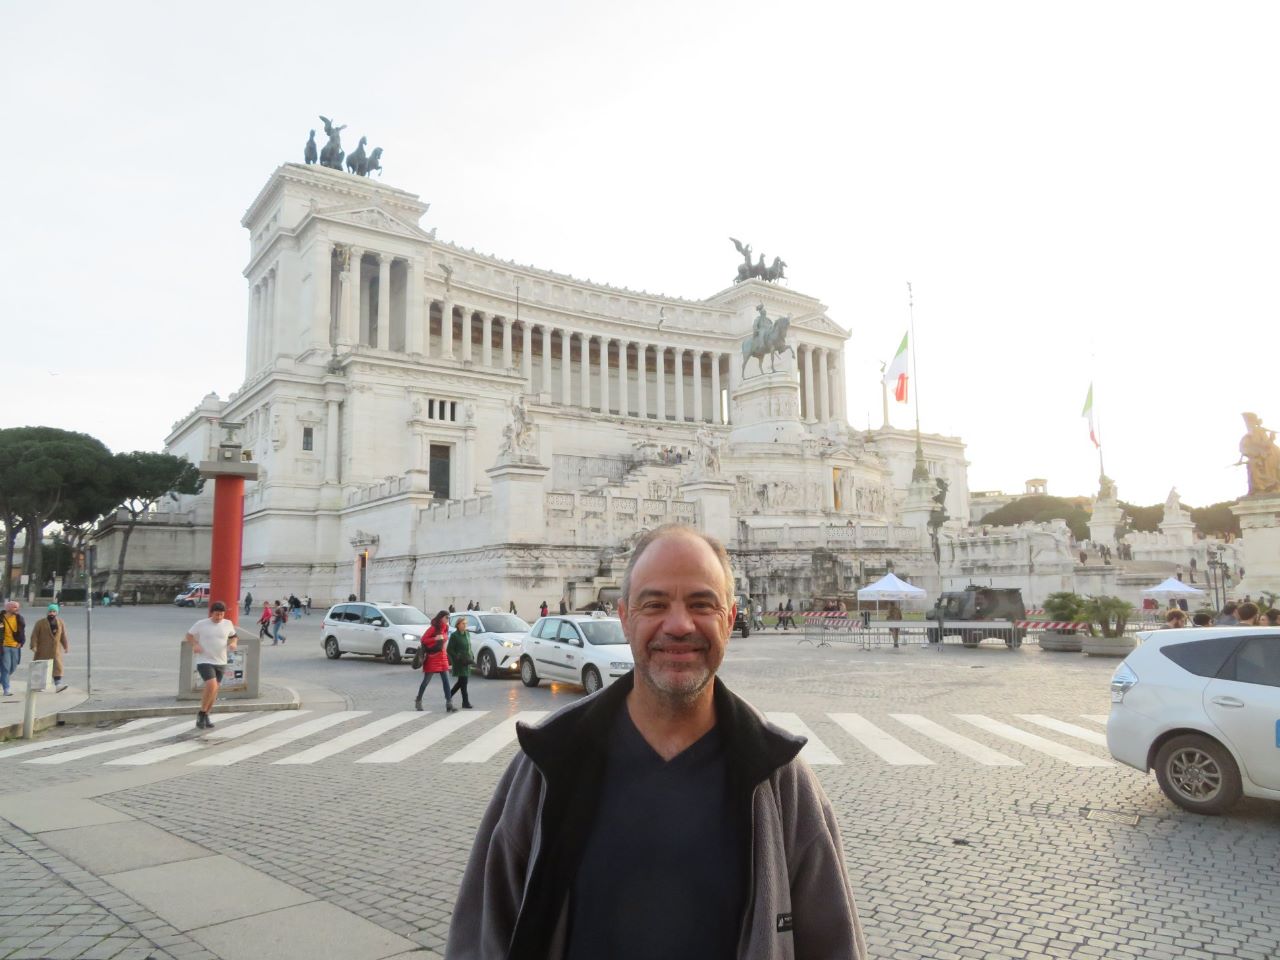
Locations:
column 821, row 324
column 375, row 217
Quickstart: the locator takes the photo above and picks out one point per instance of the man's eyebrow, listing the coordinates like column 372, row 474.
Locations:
column 693, row 595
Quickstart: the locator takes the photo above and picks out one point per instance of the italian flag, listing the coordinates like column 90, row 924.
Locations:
column 896, row 376
column 1088, row 412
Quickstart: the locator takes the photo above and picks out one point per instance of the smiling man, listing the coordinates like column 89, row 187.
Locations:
column 662, row 816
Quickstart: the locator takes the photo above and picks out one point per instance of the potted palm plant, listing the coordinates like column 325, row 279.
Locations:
column 1067, row 607
column 1107, row 618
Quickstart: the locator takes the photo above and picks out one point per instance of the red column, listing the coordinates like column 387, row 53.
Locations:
column 228, row 535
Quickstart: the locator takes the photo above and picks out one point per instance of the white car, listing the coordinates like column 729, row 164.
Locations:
column 1202, row 708
column 387, row 630
column 497, row 640
column 588, row 649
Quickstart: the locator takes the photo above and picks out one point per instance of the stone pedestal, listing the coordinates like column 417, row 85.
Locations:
column 519, row 506
column 715, row 510
column 1106, row 519
column 919, row 506
column 766, row 409
column 1260, row 526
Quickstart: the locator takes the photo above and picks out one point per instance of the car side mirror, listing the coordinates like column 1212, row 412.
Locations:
column 379, row 622
column 576, row 641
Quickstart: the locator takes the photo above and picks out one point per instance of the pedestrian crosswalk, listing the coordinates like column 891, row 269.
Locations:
column 303, row 737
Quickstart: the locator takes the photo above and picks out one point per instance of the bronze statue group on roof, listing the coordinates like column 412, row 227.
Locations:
column 360, row 163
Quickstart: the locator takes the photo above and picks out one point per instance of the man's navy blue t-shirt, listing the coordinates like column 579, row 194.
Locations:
column 664, row 870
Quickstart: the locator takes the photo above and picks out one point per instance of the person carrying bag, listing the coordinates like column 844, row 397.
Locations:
column 435, row 660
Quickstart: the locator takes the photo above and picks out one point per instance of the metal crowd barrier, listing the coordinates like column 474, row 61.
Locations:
column 822, row 630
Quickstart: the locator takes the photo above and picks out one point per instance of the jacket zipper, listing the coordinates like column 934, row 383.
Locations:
column 748, row 914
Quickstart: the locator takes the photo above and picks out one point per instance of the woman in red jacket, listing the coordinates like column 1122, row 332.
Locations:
column 435, row 659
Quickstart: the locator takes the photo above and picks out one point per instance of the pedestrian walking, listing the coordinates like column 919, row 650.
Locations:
column 542, row 610
column 460, row 661
column 279, row 617
column 248, row 601
column 706, row 834
column 1247, row 614
column 895, row 614
column 211, row 640
column 791, row 615
column 306, row 604
column 1227, row 616
column 49, row 642
column 264, row 621
column 15, row 637
column 564, row 605
column 757, row 617
column 1175, row 619
column 435, row 659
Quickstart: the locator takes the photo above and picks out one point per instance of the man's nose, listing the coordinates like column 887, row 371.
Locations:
column 678, row 621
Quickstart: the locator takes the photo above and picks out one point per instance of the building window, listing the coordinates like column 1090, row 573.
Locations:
column 439, row 470
column 308, row 438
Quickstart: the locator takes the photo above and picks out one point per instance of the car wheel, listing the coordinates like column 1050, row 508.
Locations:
column 1198, row 774
column 528, row 675
column 746, row 631
column 331, row 648
column 391, row 652
column 591, row 679
column 488, row 666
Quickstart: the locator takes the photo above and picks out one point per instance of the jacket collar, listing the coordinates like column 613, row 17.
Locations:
column 754, row 748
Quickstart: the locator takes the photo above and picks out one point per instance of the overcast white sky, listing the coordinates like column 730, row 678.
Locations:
column 1076, row 190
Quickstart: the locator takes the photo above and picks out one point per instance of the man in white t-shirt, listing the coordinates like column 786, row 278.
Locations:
column 211, row 640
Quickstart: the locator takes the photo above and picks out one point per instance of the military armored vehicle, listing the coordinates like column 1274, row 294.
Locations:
column 977, row 604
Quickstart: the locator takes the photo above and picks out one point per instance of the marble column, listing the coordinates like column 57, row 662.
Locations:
column 321, row 278
column 526, row 354
column 642, row 379
column 604, row 375
column 546, row 359
column 446, row 330
column 506, row 343
column 331, row 442
column 384, row 301
column 624, row 402
column 269, row 316
column 717, row 411
column 679, row 381
column 349, row 315
column 584, row 369
column 466, row 334
column 824, row 381
column 660, row 379
column 697, row 386
column 566, row 357
column 251, row 335
column 808, row 384
column 417, row 333
column 486, row 341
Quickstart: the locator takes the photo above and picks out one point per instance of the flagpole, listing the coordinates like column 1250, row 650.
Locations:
column 921, row 472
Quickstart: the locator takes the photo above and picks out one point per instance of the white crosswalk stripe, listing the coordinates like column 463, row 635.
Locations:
column 1096, row 717
column 226, row 758
column 962, row 745
column 220, row 734
column 884, row 745
column 815, row 751
column 489, row 744
column 1061, row 726
column 481, row 736
column 352, row 738
column 164, row 733
column 81, row 737
column 1077, row 758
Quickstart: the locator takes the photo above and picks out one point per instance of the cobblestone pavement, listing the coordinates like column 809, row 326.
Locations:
column 1012, row 852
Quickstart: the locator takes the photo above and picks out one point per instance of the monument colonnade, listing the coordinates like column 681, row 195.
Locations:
column 378, row 300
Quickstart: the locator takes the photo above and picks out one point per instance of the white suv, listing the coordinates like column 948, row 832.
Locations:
column 387, row 630
column 497, row 640
column 585, row 649
column 1201, row 707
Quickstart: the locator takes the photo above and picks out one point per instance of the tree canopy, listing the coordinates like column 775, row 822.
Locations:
column 1039, row 509
column 140, row 480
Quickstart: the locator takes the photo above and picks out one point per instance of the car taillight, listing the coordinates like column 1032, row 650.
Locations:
column 1122, row 681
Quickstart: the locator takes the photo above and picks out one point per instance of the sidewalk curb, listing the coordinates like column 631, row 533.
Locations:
column 78, row 717
column 13, row 731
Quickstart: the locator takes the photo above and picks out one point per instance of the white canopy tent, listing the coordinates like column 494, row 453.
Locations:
column 889, row 587
column 1173, row 589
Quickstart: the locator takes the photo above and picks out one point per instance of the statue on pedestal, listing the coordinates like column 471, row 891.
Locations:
column 331, row 155
column 758, row 271
column 768, row 339
column 1106, row 487
column 517, row 436
column 1258, row 449
column 309, row 151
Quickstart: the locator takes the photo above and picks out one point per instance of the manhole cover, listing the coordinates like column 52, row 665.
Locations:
column 1110, row 816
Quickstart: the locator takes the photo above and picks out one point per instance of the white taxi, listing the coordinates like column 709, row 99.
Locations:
column 587, row 649
column 1202, row 708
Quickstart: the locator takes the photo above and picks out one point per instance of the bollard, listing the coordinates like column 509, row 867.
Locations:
column 39, row 678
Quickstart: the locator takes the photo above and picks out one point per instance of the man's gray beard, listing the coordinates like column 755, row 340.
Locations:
column 678, row 694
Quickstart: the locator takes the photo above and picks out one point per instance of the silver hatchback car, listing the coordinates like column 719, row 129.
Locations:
column 378, row 629
column 497, row 640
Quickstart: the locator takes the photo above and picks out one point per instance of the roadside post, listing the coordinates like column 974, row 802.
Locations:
column 39, row 679
column 229, row 472
column 89, row 555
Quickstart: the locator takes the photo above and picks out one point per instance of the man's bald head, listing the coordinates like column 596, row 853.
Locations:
column 679, row 530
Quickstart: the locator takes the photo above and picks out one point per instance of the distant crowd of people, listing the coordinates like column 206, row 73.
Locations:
column 275, row 614
column 1244, row 614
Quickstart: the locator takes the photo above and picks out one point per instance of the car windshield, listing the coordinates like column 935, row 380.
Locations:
column 602, row 632
column 502, row 623
column 403, row 616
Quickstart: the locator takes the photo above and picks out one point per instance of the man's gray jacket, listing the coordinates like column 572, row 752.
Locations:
column 513, row 902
